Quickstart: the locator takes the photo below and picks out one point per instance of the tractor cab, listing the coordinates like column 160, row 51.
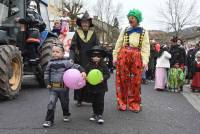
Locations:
column 13, row 54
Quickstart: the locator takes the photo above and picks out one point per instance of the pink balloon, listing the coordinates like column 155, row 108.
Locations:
column 73, row 79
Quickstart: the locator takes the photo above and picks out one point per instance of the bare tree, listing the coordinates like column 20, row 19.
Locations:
column 74, row 7
column 107, row 12
column 178, row 14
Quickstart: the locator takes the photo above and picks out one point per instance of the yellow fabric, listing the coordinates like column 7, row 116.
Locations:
column 134, row 41
column 82, row 36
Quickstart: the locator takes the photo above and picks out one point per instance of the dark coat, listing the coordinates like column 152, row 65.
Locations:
column 79, row 48
column 102, row 87
column 152, row 57
column 190, row 57
column 33, row 20
column 110, row 59
column 178, row 55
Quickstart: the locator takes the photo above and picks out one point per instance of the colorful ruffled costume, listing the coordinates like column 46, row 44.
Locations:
column 132, row 50
column 176, row 78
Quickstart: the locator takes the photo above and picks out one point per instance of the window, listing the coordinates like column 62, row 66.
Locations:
column 3, row 10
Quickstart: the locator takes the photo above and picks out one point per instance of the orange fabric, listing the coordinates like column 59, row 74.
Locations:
column 128, row 78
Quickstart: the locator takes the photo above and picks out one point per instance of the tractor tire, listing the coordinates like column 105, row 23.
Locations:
column 45, row 56
column 11, row 71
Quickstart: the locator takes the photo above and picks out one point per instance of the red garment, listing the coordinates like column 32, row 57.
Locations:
column 196, row 79
column 128, row 78
column 33, row 40
column 181, row 66
column 157, row 47
column 63, row 33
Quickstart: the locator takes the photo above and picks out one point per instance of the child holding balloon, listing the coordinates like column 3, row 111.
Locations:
column 54, row 79
column 98, row 73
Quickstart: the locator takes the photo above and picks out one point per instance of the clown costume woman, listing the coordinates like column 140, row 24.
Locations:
column 131, row 56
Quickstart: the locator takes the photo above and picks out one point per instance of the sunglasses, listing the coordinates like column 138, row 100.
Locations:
column 96, row 55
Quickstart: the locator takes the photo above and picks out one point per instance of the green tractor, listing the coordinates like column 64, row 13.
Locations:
column 12, row 42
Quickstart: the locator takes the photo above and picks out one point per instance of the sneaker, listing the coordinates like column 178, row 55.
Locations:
column 159, row 89
column 181, row 89
column 100, row 119
column 47, row 124
column 66, row 118
column 34, row 60
column 79, row 104
column 176, row 90
column 93, row 117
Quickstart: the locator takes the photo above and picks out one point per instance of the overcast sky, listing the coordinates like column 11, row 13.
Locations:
column 148, row 8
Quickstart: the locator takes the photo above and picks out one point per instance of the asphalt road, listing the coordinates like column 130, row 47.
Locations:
column 163, row 113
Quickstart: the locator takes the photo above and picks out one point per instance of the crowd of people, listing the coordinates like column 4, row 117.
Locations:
column 137, row 60
column 86, row 54
column 172, row 65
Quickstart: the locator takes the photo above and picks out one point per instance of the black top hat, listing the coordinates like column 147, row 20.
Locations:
column 84, row 17
column 97, row 49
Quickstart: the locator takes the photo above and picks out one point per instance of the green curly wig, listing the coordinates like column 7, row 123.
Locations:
column 136, row 13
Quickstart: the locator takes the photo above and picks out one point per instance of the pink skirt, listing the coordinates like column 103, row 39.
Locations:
column 160, row 78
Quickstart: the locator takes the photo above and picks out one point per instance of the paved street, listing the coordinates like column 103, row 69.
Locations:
column 163, row 113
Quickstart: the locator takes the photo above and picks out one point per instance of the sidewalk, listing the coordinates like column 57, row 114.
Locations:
column 192, row 97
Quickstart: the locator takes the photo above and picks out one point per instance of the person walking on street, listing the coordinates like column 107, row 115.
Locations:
column 131, row 56
column 96, row 55
column 54, row 80
column 84, row 39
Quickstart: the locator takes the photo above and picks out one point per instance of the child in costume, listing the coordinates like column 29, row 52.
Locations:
column 176, row 78
column 97, row 92
column 195, row 85
column 131, row 56
column 162, row 64
column 54, row 80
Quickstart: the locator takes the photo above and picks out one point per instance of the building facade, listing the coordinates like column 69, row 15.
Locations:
column 55, row 10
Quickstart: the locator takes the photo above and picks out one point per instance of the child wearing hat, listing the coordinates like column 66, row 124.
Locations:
column 196, row 73
column 97, row 91
column 54, row 80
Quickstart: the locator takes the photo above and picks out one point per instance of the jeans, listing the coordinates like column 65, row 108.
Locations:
column 63, row 96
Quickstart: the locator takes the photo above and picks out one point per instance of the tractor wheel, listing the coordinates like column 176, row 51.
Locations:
column 45, row 56
column 11, row 71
